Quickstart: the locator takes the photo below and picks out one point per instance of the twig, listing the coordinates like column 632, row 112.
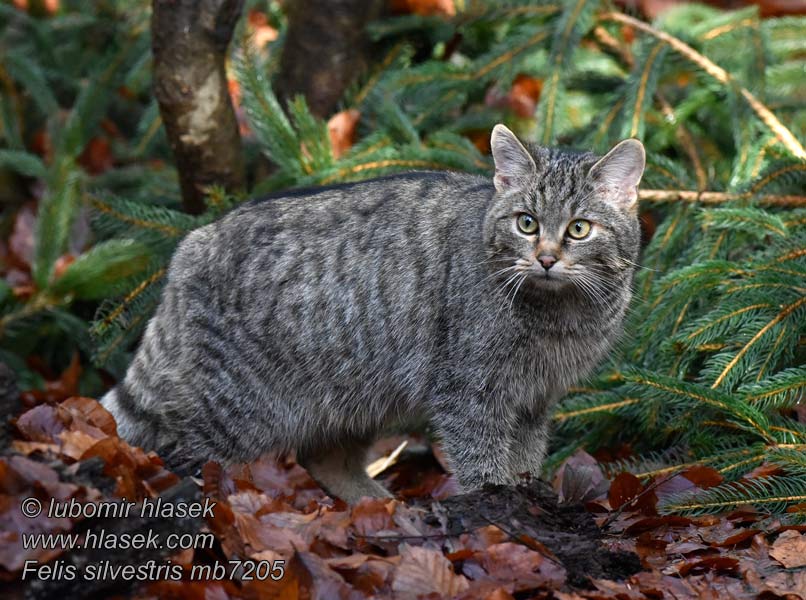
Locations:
column 430, row 536
column 719, row 197
column 523, row 542
column 377, row 467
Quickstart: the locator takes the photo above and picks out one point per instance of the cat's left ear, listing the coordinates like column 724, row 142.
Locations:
column 513, row 163
column 618, row 173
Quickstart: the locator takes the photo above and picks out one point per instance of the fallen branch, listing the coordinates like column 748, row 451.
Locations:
column 790, row 201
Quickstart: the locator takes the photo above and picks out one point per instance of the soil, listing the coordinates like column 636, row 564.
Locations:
column 568, row 530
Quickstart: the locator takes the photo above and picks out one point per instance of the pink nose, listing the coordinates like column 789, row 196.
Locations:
column 547, row 261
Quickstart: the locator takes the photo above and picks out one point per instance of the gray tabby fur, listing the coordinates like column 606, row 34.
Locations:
column 316, row 320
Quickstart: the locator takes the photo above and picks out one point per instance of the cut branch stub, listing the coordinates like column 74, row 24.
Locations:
column 190, row 39
column 326, row 47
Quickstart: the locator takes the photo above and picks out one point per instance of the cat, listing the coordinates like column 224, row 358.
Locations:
column 315, row 320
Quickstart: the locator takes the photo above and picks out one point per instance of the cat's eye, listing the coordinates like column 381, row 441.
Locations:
column 527, row 224
column 579, row 229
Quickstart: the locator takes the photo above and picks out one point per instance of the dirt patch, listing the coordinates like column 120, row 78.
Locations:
column 568, row 530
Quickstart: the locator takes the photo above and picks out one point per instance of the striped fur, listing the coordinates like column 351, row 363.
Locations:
column 313, row 321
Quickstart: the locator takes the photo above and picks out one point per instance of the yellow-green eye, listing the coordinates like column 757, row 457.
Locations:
column 527, row 224
column 579, row 229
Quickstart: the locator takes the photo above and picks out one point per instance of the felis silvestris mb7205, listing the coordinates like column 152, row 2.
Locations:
column 315, row 320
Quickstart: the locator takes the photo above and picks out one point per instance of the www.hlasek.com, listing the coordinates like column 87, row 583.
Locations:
column 116, row 569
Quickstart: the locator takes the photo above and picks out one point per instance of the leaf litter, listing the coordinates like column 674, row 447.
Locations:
column 583, row 537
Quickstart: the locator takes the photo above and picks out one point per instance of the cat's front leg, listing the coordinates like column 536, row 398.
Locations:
column 477, row 438
column 530, row 443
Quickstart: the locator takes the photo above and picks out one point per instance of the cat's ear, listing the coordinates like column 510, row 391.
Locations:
column 618, row 173
column 513, row 163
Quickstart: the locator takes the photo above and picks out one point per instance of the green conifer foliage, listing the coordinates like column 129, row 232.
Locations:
column 711, row 367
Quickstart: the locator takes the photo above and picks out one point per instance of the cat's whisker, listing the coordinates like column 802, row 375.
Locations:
column 517, row 287
column 508, row 282
column 602, row 277
column 584, row 289
column 499, row 272
column 589, row 283
column 512, row 281
column 497, row 259
column 637, row 265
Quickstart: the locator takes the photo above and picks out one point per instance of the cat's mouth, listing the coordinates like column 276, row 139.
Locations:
column 549, row 280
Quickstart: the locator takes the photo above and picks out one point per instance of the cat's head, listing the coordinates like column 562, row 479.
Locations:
column 562, row 221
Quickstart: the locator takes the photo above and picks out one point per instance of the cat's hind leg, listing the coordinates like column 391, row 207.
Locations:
column 341, row 471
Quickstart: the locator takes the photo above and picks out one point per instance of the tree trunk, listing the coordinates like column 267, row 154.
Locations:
column 326, row 46
column 190, row 39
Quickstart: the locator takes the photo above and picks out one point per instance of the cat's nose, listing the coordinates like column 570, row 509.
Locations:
column 547, row 260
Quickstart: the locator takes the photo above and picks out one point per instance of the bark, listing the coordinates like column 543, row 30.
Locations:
column 190, row 39
column 326, row 47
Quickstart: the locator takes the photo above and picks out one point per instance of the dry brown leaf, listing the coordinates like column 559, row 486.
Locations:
column 787, row 584
column 483, row 538
column 92, row 412
column 373, row 576
column 528, row 569
column 579, row 478
column 59, row 389
column 525, row 94
column 649, row 523
column 703, row 477
column 500, row 594
column 97, row 156
column 790, row 549
column 262, row 32
column 425, row 571
column 42, row 423
column 22, row 478
column 424, row 7
column 217, row 482
column 28, row 448
column 61, row 264
column 342, row 131
column 625, row 488
column 721, row 564
column 349, row 562
column 318, row 578
column 42, row 7
column 372, row 515
column 75, row 443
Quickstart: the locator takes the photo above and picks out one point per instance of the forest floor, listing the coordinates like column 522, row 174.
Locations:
column 582, row 536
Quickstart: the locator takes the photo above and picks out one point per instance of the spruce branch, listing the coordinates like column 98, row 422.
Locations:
column 783, row 134
column 769, row 494
column 574, row 22
column 787, row 311
column 686, row 141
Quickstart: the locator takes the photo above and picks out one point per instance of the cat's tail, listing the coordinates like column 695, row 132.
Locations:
column 133, row 423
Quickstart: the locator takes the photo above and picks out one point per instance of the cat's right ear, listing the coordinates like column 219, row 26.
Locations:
column 617, row 174
column 513, row 163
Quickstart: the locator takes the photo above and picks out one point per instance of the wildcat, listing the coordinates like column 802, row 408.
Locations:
column 315, row 320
